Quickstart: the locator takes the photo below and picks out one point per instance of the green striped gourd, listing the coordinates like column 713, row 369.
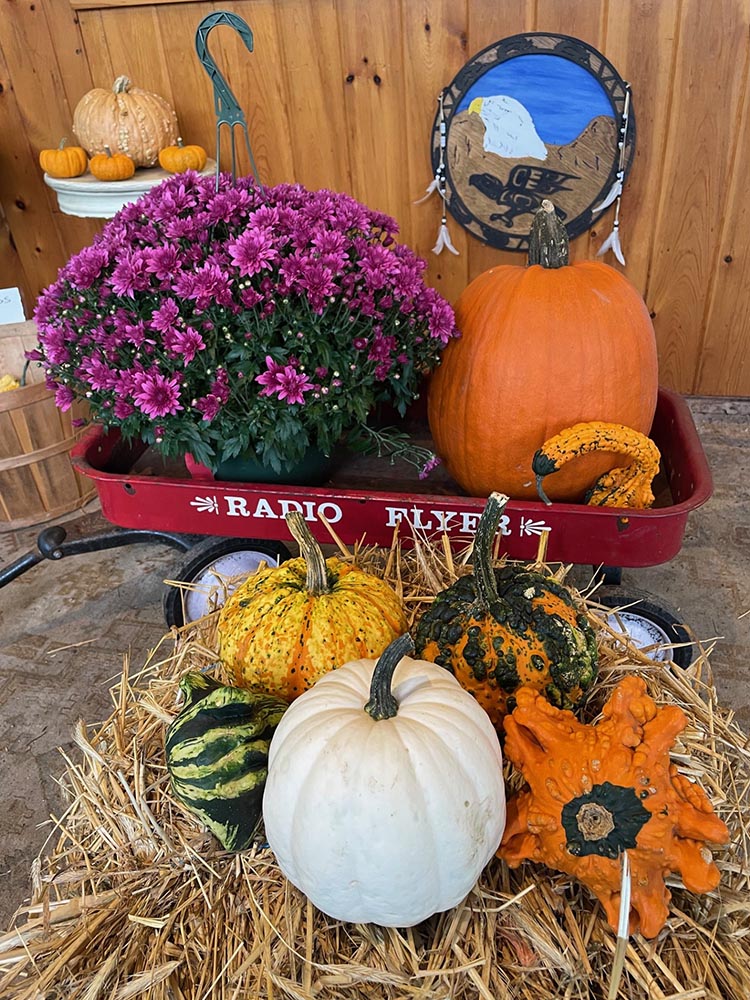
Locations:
column 217, row 755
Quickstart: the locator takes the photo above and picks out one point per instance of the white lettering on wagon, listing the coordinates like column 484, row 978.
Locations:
column 276, row 509
column 440, row 520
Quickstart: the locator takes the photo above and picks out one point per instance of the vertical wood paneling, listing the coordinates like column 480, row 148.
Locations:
column 37, row 114
column 311, row 64
column 189, row 82
column 97, row 49
column 12, row 274
column 435, row 45
column 342, row 94
column 647, row 68
column 724, row 355
column 23, row 192
column 372, row 58
column 695, row 172
column 257, row 80
column 136, row 49
column 70, row 51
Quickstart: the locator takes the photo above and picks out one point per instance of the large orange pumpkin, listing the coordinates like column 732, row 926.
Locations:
column 542, row 347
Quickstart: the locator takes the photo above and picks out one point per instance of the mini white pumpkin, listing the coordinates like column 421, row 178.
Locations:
column 384, row 805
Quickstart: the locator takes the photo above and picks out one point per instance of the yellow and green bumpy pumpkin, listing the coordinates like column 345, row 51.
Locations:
column 286, row 626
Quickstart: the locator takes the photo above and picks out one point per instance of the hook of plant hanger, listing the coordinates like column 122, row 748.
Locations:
column 226, row 107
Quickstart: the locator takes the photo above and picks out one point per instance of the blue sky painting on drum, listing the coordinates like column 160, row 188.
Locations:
column 560, row 97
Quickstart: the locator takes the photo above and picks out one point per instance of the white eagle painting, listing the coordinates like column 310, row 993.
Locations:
column 509, row 129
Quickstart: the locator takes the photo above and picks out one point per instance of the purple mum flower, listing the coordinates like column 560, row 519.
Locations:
column 184, row 343
column 64, row 397
column 253, row 251
column 318, row 281
column 122, row 409
column 156, row 395
column 284, row 380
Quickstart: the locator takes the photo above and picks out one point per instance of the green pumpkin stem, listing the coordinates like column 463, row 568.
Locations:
column 548, row 239
column 382, row 704
column 484, row 574
column 196, row 685
column 62, row 143
column 317, row 572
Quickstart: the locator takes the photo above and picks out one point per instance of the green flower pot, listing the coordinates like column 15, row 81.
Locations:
column 312, row 470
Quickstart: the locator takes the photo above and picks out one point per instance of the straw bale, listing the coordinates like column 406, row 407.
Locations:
column 135, row 898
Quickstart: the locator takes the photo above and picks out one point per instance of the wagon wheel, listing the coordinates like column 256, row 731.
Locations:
column 208, row 567
column 648, row 621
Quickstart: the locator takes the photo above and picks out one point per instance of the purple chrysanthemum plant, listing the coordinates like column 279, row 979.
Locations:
column 244, row 320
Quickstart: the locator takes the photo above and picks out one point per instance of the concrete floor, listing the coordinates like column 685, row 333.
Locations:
column 52, row 673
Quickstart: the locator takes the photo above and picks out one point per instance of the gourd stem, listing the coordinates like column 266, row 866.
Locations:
column 540, row 490
column 548, row 239
column 317, row 573
column 121, row 85
column 484, row 574
column 382, row 704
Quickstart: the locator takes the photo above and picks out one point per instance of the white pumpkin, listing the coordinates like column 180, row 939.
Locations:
column 383, row 804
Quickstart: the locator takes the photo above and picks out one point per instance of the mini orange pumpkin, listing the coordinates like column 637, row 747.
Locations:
column 177, row 159
column 595, row 791
column 111, row 167
column 65, row 161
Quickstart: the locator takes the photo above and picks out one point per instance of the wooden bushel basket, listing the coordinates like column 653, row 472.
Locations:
column 37, row 480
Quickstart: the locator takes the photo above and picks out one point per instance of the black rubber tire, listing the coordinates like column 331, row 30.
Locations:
column 200, row 556
column 645, row 605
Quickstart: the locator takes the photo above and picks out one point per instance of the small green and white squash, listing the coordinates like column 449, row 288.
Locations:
column 217, row 755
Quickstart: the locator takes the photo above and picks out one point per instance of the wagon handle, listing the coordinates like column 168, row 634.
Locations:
column 226, row 107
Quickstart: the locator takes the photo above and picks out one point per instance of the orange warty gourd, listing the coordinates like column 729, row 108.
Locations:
column 542, row 347
column 595, row 791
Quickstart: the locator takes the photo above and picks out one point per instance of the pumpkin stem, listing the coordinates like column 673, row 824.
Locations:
column 484, row 574
column 107, row 150
column 548, row 239
column 121, row 85
column 317, row 572
column 62, row 143
column 196, row 685
column 382, row 704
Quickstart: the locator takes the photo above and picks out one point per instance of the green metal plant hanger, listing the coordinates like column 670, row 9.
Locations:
column 226, row 107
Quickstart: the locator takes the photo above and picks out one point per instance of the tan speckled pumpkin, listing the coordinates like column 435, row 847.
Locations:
column 127, row 119
column 286, row 626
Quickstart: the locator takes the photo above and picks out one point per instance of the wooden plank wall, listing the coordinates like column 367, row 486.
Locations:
column 342, row 94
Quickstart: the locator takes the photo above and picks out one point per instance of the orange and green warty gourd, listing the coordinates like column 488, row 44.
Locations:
column 499, row 629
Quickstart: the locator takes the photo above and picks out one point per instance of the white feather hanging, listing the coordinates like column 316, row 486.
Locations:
column 614, row 194
column 612, row 243
column 431, row 187
column 444, row 241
